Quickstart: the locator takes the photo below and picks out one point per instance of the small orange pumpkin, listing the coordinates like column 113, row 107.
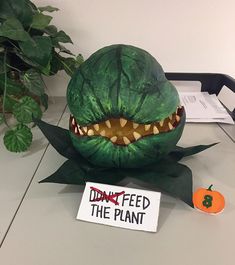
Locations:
column 208, row 201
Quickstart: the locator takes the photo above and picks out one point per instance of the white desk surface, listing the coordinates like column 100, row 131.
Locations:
column 45, row 231
column 229, row 129
column 17, row 170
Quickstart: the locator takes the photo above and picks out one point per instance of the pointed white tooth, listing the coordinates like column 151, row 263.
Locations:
column 177, row 117
column 102, row 133
column 147, row 127
column 170, row 126
column 136, row 135
column 170, row 117
column 123, row 122
column 96, row 126
column 135, row 125
column 161, row 123
column 113, row 139
column 84, row 129
column 126, row 140
column 108, row 124
column 90, row 132
column 76, row 130
column 155, row 130
column 73, row 121
column 80, row 131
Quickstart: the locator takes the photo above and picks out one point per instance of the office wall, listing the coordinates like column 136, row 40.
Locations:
column 183, row 35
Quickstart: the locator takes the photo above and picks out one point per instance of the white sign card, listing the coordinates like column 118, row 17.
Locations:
column 120, row 206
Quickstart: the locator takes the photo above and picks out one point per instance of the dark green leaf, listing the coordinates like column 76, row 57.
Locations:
column 50, row 30
column 60, row 139
column 27, row 60
column 13, row 29
column 20, row 9
column 40, row 21
column 79, row 59
column 9, row 103
column 25, row 109
column 63, row 49
column 69, row 64
column 56, row 64
column 38, row 50
column 2, row 39
column 61, row 36
column 44, row 100
column 69, row 173
column 180, row 152
column 18, row 139
column 72, row 172
column 110, row 176
column 48, row 8
column 169, row 176
column 46, row 70
column 13, row 87
column 32, row 80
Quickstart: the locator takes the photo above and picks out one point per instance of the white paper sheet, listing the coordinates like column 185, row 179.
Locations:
column 203, row 107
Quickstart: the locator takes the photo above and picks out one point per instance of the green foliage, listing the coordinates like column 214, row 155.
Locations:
column 18, row 139
column 38, row 50
column 33, row 81
column 20, row 9
column 29, row 49
column 13, row 29
column 48, row 9
column 26, row 109
column 61, row 36
column 40, row 21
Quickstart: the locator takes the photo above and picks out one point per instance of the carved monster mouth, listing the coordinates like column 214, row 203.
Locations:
column 123, row 132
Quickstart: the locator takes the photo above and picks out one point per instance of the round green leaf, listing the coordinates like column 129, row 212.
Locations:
column 25, row 109
column 18, row 139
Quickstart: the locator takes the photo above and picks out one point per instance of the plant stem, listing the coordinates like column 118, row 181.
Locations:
column 12, row 67
column 210, row 187
column 66, row 66
column 14, row 45
column 5, row 88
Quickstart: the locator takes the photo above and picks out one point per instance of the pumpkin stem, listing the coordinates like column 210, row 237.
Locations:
column 210, row 187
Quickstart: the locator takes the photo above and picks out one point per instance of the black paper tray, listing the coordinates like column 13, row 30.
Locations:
column 210, row 82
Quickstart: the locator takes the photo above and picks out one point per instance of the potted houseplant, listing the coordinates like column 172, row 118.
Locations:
column 30, row 48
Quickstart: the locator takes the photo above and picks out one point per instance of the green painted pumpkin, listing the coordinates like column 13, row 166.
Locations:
column 124, row 112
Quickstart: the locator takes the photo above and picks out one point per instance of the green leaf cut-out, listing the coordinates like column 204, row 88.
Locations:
column 18, row 139
column 167, row 174
column 25, row 109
